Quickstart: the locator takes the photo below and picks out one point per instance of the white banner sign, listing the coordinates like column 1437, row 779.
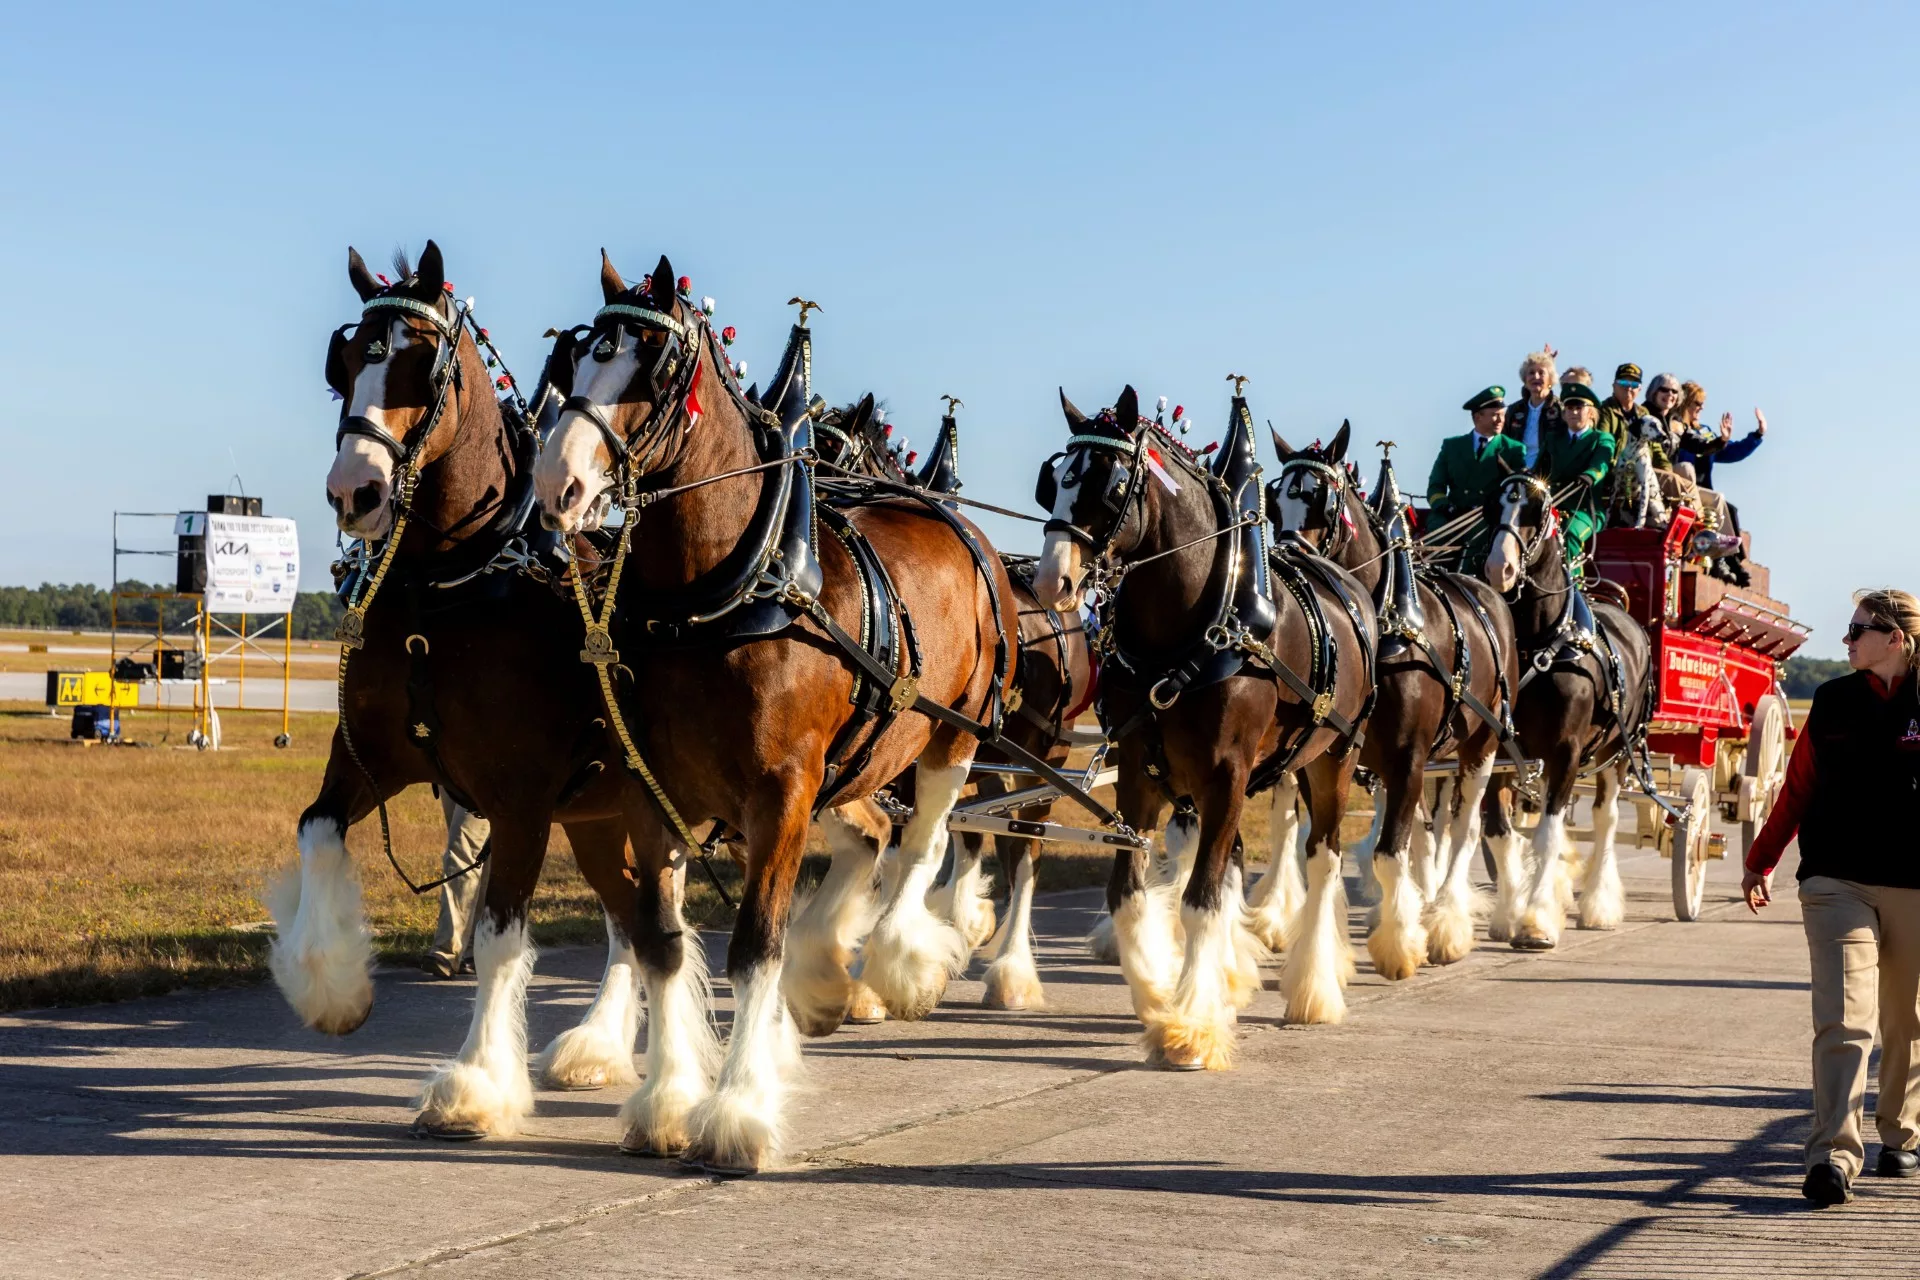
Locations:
column 253, row 562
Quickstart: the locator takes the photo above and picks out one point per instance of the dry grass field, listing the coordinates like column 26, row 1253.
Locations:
column 135, row 870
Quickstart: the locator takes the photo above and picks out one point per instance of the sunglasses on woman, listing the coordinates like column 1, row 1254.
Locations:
column 1857, row 629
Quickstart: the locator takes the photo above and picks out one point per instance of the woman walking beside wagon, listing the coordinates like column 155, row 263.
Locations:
column 1852, row 793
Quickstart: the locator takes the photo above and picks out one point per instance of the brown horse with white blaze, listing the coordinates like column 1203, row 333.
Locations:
column 1195, row 643
column 441, row 613
column 743, row 716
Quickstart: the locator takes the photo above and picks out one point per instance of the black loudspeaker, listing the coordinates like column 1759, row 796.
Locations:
column 230, row 504
column 190, row 563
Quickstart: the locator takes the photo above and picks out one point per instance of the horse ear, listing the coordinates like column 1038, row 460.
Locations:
column 359, row 277
column 1337, row 451
column 1075, row 418
column 1127, row 409
column 431, row 273
column 663, row 288
column 1280, row 445
column 862, row 413
column 611, row 285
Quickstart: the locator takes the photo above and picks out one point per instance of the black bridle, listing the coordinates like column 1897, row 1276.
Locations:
column 1530, row 547
column 1125, row 484
column 1333, row 496
column 443, row 381
column 670, row 380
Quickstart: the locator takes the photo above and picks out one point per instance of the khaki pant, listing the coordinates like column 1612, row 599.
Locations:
column 1864, row 941
column 460, row 899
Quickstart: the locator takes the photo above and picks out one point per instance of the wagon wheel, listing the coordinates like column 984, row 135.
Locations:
column 1765, row 764
column 1690, row 836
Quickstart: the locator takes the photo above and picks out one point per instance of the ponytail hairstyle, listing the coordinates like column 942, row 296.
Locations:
column 1896, row 609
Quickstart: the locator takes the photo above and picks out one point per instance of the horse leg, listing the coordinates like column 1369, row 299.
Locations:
column 1363, row 854
column 738, row 1127
column 683, row 1052
column 1542, row 914
column 817, row 976
column 962, row 901
column 1321, row 957
column 1450, row 918
column 322, row 956
column 1398, row 941
column 911, row 955
column 1603, row 900
column 599, row 1051
column 1510, row 879
column 1193, row 1031
column 1013, row 981
column 1429, row 840
column 486, row 1089
column 1142, row 915
column 1278, row 895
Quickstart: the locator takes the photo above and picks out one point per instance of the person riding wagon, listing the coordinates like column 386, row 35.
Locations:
column 1580, row 455
column 1471, row 465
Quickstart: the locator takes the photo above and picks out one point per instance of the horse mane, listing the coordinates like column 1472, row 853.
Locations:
column 402, row 268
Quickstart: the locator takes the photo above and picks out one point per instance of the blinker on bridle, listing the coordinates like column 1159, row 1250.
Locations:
column 1122, row 488
column 669, row 378
column 442, row 379
column 1332, row 495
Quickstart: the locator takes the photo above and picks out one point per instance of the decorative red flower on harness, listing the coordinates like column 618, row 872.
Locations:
column 727, row 335
column 684, row 284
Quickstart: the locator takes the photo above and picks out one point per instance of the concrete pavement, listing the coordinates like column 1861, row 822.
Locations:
column 1630, row 1105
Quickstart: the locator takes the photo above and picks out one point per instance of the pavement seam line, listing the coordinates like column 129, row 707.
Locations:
column 545, row 1227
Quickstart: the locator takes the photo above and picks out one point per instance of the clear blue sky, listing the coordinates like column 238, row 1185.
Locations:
column 1373, row 210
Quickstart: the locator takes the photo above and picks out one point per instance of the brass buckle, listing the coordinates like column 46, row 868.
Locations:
column 599, row 651
column 903, row 692
column 1322, row 705
column 352, row 631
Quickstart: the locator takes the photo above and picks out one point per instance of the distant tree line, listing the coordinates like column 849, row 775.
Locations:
column 1804, row 675
column 84, row 607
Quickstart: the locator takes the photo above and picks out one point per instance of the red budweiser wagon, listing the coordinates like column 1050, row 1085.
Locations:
column 1720, row 723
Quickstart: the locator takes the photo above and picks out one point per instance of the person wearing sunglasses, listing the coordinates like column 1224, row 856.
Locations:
column 1852, row 794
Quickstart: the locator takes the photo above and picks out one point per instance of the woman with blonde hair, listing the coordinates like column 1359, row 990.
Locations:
column 1535, row 417
column 1698, row 447
column 1852, row 794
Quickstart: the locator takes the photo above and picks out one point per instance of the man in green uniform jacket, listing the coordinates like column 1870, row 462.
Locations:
column 1468, row 469
column 1584, row 456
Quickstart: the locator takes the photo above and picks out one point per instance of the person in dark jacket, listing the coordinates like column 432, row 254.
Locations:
column 1534, row 419
column 1852, row 794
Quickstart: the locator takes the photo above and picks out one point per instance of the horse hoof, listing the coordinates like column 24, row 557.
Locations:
column 1531, row 942
column 424, row 1128
column 716, row 1170
column 647, row 1151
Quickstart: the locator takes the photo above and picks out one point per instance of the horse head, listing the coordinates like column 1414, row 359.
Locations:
column 1088, row 491
column 395, row 376
column 1524, row 527
column 627, row 380
column 1307, row 500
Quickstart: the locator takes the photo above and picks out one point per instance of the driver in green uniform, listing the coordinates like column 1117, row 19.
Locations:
column 1581, row 455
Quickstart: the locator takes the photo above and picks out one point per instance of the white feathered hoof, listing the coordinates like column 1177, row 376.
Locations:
column 1603, row 901
column 655, row 1120
column 588, row 1056
column 1397, row 953
column 1202, row 1042
column 820, row 995
column 322, row 960
column 461, row 1102
column 733, row 1138
column 1269, row 924
column 909, row 960
column 977, row 922
column 1449, row 932
column 1013, row 985
column 1101, row 944
column 1243, row 980
column 1536, row 930
column 865, row 1008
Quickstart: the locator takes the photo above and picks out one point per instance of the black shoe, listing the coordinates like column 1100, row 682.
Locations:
column 1895, row 1163
column 1826, row 1185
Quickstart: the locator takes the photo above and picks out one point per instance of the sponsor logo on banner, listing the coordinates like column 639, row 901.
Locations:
column 244, row 553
